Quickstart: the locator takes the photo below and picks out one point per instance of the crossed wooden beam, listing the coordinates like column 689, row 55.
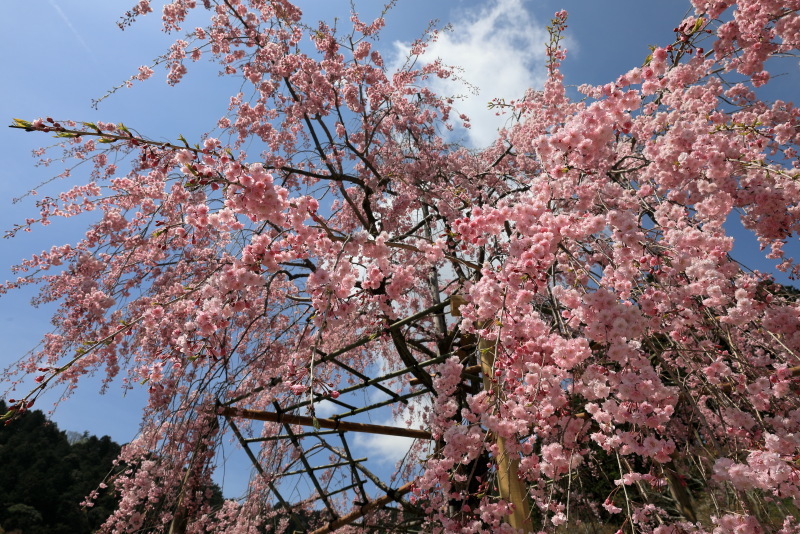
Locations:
column 510, row 486
column 333, row 424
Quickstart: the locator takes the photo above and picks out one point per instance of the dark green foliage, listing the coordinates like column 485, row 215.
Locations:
column 45, row 477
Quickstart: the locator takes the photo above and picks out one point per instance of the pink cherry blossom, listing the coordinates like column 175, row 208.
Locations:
column 560, row 312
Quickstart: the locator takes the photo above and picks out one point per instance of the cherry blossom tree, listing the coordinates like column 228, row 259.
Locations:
column 559, row 315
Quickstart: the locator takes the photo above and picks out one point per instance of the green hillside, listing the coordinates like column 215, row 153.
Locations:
column 47, row 473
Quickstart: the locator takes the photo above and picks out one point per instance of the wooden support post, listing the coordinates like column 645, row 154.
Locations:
column 335, row 424
column 509, row 484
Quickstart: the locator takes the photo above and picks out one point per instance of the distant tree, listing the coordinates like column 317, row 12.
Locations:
column 604, row 356
column 45, row 478
column 22, row 519
column 48, row 473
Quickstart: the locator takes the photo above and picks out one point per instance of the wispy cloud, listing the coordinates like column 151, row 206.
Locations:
column 501, row 49
column 392, row 449
column 75, row 33
column 325, row 408
column 389, row 449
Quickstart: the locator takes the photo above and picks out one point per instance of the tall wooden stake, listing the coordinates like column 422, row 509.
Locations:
column 508, row 482
column 509, row 485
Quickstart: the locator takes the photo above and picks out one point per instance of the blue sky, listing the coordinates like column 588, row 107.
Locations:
column 58, row 55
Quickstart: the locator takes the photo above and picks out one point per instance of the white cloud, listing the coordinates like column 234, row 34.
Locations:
column 392, row 449
column 501, row 49
column 325, row 408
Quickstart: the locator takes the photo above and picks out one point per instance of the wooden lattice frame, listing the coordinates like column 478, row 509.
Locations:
column 319, row 433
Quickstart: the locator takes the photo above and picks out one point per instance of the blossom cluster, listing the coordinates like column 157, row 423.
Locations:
column 603, row 345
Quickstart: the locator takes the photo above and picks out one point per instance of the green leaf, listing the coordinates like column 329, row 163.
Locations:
column 22, row 124
column 106, row 140
column 68, row 135
column 315, row 422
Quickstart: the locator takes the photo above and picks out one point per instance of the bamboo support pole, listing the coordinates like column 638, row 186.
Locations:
column 371, row 382
column 326, row 357
column 277, row 437
column 318, row 467
column 286, row 506
column 370, row 475
column 343, row 489
column 365, row 509
column 401, row 398
column 290, row 419
column 353, row 466
column 509, row 484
